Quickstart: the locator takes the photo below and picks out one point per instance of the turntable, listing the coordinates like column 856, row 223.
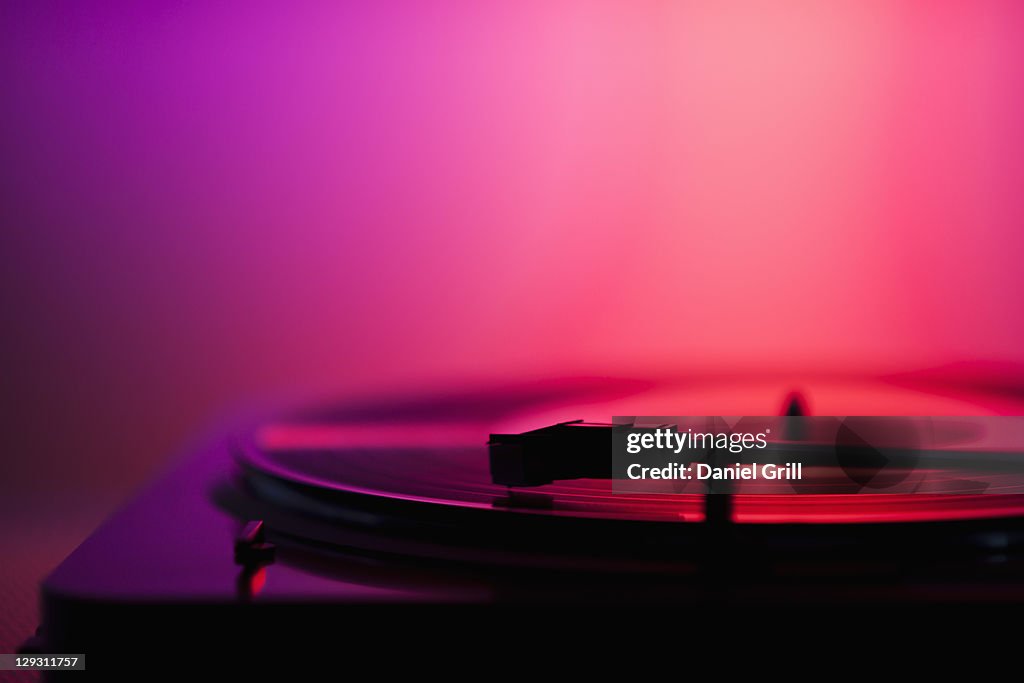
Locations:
column 430, row 500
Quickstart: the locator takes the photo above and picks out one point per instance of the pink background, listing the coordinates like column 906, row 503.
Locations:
column 204, row 204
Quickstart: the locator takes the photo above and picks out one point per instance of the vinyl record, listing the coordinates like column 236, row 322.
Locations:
column 411, row 476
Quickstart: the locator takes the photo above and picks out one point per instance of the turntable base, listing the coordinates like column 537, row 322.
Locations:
column 391, row 503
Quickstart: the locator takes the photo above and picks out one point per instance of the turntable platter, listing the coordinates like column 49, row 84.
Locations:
column 432, row 451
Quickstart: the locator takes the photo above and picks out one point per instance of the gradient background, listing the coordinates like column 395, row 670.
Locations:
column 203, row 203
